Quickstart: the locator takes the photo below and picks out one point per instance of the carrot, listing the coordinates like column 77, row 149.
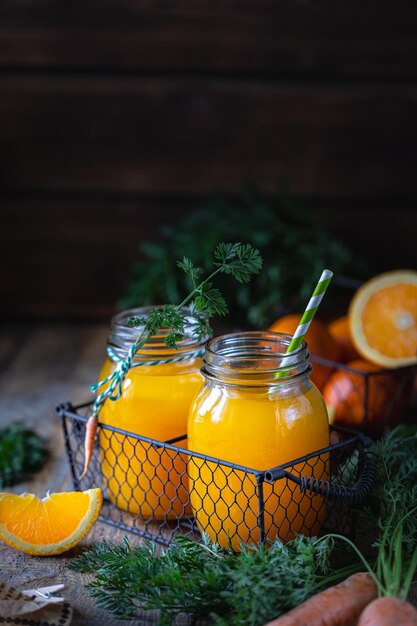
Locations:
column 90, row 435
column 393, row 574
column 389, row 611
column 340, row 605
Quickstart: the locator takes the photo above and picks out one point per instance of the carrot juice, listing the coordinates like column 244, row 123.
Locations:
column 246, row 416
column 142, row 477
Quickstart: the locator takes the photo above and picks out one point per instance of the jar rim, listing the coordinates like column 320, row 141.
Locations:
column 122, row 335
column 256, row 357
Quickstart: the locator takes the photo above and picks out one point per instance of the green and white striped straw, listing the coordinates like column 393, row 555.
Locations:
column 308, row 315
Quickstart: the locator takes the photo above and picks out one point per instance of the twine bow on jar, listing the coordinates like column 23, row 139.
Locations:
column 114, row 389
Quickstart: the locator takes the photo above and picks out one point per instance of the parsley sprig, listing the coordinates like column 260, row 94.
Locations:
column 238, row 260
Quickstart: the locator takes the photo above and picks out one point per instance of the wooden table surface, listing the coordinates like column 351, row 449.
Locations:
column 41, row 366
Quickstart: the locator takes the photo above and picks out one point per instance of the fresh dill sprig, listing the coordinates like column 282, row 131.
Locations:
column 21, row 453
column 238, row 260
column 395, row 494
column 202, row 580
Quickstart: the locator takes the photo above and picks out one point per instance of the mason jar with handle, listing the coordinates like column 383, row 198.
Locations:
column 257, row 409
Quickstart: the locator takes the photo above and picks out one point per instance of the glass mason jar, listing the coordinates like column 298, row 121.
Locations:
column 246, row 415
column 143, row 478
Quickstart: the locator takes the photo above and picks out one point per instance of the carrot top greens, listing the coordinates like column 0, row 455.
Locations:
column 252, row 587
column 238, row 260
column 21, row 453
column 392, row 510
column 203, row 580
column 283, row 228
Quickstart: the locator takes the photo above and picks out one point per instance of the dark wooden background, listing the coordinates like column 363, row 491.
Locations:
column 115, row 116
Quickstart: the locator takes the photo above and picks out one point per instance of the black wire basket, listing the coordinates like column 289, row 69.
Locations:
column 158, row 489
column 370, row 401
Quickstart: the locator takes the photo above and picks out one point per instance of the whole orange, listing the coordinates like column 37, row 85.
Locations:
column 319, row 340
column 351, row 398
column 340, row 331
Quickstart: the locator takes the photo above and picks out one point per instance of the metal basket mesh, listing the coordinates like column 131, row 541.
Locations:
column 370, row 401
column 159, row 489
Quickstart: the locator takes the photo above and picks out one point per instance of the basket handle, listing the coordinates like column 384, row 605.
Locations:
column 353, row 494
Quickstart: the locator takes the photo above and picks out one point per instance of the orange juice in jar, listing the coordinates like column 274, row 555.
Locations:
column 143, row 478
column 246, row 416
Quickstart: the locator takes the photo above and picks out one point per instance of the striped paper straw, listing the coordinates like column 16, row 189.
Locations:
column 308, row 315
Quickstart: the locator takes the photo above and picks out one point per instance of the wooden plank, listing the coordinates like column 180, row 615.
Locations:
column 61, row 257
column 193, row 136
column 12, row 341
column 71, row 257
column 358, row 38
column 381, row 232
column 57, row 363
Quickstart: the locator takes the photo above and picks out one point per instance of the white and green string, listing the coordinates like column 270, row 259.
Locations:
column 116, row 378
column 115, row 387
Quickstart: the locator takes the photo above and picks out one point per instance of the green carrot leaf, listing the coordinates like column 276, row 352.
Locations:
column 202, row 579
column 210, row 300
column 22, row 452
column 190, row 269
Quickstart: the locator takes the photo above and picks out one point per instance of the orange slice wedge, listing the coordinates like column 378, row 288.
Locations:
column 49, row 526
column 383, row 319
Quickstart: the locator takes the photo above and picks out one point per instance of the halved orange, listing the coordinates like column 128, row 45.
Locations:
column 383, row 319
column 51, row 525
